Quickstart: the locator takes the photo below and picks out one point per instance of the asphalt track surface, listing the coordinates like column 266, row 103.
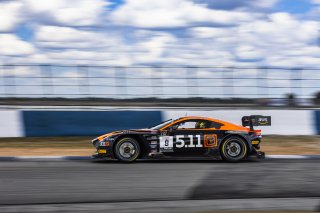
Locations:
column 74, row 182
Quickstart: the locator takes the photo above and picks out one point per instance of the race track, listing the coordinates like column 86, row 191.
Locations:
column 70, row 182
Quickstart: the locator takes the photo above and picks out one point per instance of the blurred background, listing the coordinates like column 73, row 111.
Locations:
column 259, row 52
column 168, row 85
column 72, row 70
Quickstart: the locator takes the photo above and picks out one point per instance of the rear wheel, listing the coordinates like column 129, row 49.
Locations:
column 127, row 150
column 234, row 149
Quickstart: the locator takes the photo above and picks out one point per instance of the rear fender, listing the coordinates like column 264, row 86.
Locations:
column 244, row 136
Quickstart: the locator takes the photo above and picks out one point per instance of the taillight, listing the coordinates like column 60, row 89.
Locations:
column 257, row 132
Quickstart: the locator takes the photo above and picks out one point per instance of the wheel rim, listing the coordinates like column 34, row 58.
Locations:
column 127, row 150
column 233, row 149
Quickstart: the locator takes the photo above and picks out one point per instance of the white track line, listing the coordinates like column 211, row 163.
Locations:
column 175, row 206
column 289, row 156
column 64, row 158
column 40, row 157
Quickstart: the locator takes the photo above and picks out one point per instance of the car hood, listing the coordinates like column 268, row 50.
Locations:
column 127, row 131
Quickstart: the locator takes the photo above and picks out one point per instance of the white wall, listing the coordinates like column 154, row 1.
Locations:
column 284, row 122
column 11, row 124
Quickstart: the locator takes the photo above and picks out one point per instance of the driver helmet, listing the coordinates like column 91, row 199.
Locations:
column 201, row 125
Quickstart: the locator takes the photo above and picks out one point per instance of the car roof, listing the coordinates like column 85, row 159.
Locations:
column 195, row 117
column 227, row 125
column 200, row 118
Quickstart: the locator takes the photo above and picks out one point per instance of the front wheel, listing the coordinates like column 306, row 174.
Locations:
column 234, row 149
column 127, row 150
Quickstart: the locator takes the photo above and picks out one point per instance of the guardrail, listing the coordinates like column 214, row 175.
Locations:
column 124, row 82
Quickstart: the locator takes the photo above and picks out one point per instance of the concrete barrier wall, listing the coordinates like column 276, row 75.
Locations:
column 80, row 123
column 317, row 121
column 284, row 122
column 11, row 124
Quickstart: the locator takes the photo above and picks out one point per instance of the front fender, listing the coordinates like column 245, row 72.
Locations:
column 141, row 140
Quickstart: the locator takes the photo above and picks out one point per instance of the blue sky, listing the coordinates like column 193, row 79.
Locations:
column 115, row 3
column 294, row 6
column 179, row 32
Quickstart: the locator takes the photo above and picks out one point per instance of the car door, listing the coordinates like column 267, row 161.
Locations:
column 189, row 139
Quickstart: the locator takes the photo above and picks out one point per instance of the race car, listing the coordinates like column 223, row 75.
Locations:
column 185, row 137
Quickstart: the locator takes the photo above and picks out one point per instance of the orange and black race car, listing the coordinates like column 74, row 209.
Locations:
column 186, row 136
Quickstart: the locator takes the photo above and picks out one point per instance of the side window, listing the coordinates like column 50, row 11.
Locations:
column 215, row 125
column 203, row 124
column 187, row 125
column 197, row 124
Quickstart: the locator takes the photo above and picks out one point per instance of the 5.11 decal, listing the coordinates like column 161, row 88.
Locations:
column 187, row 141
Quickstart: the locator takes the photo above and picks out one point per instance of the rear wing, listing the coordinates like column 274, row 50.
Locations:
column 256, row 120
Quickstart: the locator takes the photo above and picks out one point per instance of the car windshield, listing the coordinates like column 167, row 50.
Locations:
column 159, row 126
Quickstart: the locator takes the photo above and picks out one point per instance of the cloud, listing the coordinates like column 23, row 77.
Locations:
column 281, row 39
column 173, row 13
column 156, row 46
column 57, row 12
column 247, row 52
column 11, row 45
column 66, row 12
column 175, row 32
column 263, row 3
column 281, row 29
column 67, row 37
column 210, row 32
column 10, row 15
column 80, row 57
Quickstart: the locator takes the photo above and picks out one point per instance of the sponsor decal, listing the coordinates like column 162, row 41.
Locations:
column 263, row 120
column 166, row 143
column 153, row 142
column 153, row 146
column 104, row 143
column 210, row 141
column 255, row 142
column 102, row 151
column 164, row 133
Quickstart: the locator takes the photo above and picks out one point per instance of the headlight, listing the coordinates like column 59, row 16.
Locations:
column 105, row 139
column 95, row 140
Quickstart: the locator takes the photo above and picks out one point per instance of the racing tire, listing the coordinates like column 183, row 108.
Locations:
column 127, row 150
column 234, row 149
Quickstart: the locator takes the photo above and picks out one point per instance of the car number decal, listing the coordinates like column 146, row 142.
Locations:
column 180, row 141
column 187, row 141
column 166, row 143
